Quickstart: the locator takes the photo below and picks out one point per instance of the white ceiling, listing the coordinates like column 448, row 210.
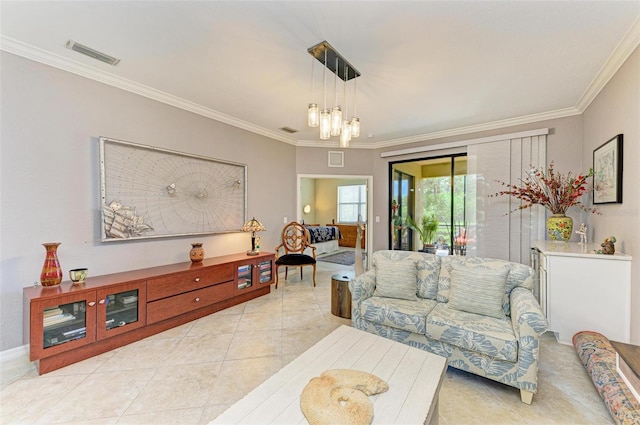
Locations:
column 429, row 68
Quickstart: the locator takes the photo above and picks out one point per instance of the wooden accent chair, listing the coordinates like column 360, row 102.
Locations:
column 295, row 239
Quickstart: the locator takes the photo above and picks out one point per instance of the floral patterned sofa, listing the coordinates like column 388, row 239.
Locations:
column 480, row 313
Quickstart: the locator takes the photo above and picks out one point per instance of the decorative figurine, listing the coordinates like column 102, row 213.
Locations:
column 608, row 246
column 582, row 231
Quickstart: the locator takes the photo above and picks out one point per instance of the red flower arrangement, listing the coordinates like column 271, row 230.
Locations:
column 553, row 190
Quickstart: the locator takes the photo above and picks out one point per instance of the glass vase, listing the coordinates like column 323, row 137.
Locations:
column 559, row 227
column 51, row 274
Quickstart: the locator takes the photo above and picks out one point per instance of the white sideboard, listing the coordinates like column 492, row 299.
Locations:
column 584, row 291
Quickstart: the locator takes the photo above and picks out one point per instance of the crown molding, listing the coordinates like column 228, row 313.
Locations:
column 623, row 50
column 527, row 119
column 47, row 58
column 620, row 54
column 464, row 143
column 332, row 144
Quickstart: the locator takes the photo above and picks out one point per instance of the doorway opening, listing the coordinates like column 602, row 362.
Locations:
column 342, row 201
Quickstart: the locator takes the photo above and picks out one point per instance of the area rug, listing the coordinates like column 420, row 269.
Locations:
column 345, row 258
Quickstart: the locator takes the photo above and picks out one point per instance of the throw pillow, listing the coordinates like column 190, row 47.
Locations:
column 478, row 291
column 396, row 279
column 428, row 274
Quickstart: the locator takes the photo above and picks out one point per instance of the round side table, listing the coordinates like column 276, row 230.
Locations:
column 341, row 295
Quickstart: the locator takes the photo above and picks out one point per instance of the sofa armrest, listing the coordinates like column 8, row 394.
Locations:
column 528, row 323
column 362, row 286
column 526, row 313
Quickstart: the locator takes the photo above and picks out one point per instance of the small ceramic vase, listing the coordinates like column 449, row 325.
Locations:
column 559, row 227
column 78, row 275
column 197, row 253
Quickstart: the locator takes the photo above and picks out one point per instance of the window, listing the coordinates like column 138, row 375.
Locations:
column 352, row 201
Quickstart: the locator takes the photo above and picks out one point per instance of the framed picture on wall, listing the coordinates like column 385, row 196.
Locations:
column 607, row 172
column 148, row 192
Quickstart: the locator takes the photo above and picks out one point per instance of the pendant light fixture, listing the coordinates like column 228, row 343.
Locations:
column 336, row 112
column 333, row 121
column 313, row 114
column 325, row 115
column 345, row 131
column 355, row 121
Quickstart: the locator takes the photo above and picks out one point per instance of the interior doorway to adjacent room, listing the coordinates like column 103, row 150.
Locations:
column 341, row 200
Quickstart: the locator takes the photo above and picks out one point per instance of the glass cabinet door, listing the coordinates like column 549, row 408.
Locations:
column 64, row 323
column 245, row 278
column 121, row 309
column 265, row 271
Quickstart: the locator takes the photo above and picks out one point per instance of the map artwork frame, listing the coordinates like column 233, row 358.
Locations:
column 149, row 192
column 607, row 172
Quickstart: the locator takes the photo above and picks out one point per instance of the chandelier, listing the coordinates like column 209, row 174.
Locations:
column 332, row 121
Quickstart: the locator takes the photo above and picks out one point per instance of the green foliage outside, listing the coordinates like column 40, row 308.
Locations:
column 436, row 194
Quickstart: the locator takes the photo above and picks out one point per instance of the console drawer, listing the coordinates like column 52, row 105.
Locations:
column 188, row 301
column 169, row 286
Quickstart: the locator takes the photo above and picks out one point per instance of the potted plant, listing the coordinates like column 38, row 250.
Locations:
column 427, row 230
column 556, row 192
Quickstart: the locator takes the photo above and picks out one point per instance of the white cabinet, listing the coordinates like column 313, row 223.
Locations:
column 580, row 290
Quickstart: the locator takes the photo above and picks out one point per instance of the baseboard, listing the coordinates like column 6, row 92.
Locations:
column 14, row 353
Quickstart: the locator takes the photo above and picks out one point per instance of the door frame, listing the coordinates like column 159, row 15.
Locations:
column 369, row 228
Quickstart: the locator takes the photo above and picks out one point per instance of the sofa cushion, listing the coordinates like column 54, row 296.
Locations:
column 396, row 279
column 519, row 275
column 477, row 291
column 482, row 334
column 400, row 314
column 428, row 266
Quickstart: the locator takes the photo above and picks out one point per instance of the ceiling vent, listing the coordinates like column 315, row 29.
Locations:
column 288, row 130
column 92, row 53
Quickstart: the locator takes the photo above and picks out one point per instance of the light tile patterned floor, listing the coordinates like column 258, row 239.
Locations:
column 190, row 374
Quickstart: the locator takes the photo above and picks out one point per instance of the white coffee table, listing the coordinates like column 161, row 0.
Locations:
column 414, row 377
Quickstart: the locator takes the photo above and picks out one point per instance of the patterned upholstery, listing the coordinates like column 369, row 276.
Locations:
column 505, row 350
column 599, row 358
column 484, row 334
column 397, row 313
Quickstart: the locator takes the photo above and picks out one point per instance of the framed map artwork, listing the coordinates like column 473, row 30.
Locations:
column 607, row 172
column 148, row 192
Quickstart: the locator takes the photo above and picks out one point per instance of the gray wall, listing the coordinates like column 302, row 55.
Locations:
column 617, row 110
column 49, row 173
column 49, row 177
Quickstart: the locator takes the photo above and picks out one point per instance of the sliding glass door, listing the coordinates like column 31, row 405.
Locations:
column 436, row 206
column 402, row 206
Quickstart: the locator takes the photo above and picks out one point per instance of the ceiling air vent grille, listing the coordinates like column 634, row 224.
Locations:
column 92, row 53
column 288, row 130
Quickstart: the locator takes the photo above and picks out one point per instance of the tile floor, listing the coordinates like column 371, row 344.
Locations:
column 190, row 374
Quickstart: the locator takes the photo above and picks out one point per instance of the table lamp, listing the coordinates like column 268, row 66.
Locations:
column 253, row 226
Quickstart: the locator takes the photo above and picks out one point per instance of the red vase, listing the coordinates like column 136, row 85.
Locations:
column 51, row 272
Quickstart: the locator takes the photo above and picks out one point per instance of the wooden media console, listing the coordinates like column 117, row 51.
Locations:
column 71, row 322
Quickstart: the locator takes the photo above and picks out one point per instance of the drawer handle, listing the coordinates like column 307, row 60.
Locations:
column 198, row 299
column 197, row 279
column 92, row 303
column 101, row 302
